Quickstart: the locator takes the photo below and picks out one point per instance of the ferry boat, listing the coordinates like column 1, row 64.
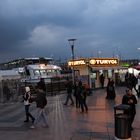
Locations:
column 32, row 69
column 33, row 73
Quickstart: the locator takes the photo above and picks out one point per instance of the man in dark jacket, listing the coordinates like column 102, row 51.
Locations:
column 102, row 79
column 41, row 84
column 69, row 86
column 41, row 102
column 82, row 94
column 130, row 99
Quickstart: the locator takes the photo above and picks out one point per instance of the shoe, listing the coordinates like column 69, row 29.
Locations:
column 26, row 121
column 46, row 126
column 32, row 127
column 33, row 120
column 72, row 104
column 82, row 112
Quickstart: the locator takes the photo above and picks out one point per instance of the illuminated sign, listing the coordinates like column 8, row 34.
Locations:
column 76, row 62
column 104, row 62
column 95, row 62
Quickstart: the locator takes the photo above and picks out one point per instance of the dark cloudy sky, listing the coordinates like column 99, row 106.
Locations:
column 35, row 28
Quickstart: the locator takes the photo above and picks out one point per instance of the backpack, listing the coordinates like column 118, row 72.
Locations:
column 31, row 100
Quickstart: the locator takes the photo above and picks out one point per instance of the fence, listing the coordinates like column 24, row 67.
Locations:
column 9, row 90
column 12, row 90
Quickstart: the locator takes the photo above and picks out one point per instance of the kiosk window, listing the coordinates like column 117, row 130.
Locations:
column 110, row 74
column 94, row 75
column 101, row 71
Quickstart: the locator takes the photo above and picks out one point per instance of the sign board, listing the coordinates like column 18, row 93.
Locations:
column 77, row 63
column 102, row 62
column 95, row 62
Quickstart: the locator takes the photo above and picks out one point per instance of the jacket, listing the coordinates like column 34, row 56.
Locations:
column 41, row 100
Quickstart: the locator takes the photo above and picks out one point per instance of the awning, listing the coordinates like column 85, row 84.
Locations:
column 107, row 68
column 136, row 67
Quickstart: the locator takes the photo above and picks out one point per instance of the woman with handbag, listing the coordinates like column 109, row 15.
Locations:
column 26, row 97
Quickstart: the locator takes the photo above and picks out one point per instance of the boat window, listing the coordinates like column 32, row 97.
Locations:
column 53, row 71
column 49, row 72
column 36, row 72
column 42, row 72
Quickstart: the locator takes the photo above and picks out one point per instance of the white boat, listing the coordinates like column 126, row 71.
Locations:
column 33, row 73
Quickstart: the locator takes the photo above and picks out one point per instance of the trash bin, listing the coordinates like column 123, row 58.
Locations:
column 122, row 122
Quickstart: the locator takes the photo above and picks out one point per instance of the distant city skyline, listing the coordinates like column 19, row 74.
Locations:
column 41, row 28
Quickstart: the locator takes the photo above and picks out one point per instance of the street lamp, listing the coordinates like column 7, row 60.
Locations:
column 71, row 42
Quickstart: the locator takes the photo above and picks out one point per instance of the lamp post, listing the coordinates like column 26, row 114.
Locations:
column 71, row 42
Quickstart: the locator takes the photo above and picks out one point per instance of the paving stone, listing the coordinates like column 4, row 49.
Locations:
column 66, row 122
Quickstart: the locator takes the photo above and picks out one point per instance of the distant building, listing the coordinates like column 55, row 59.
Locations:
column 129, row 62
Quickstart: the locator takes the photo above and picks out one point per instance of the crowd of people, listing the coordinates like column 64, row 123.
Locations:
column 80, row 94
column 77, row 94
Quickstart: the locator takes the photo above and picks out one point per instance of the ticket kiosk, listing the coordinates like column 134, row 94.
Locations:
column 89, row 70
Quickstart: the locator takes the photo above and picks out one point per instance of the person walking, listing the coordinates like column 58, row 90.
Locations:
column 41, row 84
column 132, row 81
column 6, row 92
column 130, row 99
column 107, row 89
column 76, row 95
column 82, row 94
column 26, row 98
column 111, row 90
column 69, row 86
column 102, row 79
column 41, row 102
column 84, row 97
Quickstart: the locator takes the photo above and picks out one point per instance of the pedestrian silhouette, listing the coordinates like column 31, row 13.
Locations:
column 69, row 87
column 26, row 97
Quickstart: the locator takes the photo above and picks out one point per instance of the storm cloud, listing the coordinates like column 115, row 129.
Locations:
column 103, row 28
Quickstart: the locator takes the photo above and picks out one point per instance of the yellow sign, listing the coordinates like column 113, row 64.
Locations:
column 104, row 62
column 76, row 62
column 95, row 62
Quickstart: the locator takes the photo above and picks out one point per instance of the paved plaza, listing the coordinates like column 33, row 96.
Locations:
column 66, row 122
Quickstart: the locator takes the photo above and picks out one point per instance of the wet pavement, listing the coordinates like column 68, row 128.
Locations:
column 66, row 122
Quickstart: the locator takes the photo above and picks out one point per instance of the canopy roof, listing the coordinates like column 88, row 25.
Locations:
column 136, row 67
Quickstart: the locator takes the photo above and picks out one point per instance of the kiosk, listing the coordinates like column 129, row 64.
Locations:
column 89, row 70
